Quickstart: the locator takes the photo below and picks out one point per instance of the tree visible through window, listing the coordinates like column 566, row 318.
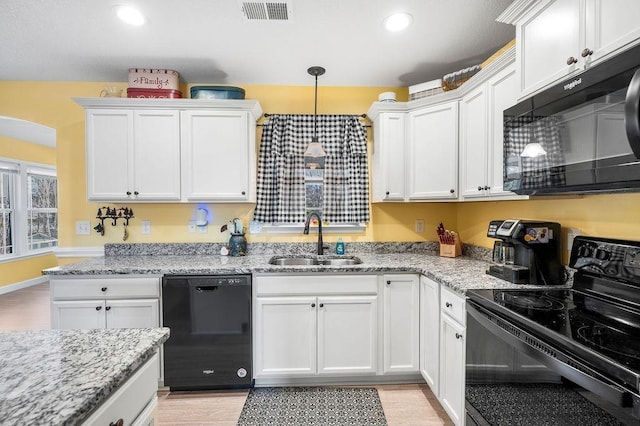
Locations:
column 42, row 211
column 28, row 208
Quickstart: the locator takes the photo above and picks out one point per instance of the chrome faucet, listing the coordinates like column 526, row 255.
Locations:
column 321, row 246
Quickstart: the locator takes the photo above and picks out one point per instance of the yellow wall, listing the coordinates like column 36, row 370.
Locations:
column 50, row 103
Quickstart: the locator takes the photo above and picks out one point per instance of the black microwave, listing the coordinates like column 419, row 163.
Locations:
column 580, row 136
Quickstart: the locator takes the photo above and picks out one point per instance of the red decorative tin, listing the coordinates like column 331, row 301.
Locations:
column 153, row 93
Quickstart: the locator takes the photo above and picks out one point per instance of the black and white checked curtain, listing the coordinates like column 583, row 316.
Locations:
column 281, row 180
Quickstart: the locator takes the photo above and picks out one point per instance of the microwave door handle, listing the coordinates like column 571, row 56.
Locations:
column 632, row 113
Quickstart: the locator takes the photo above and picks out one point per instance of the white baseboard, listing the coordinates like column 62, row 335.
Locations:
column 23, row 284
column 62, row 252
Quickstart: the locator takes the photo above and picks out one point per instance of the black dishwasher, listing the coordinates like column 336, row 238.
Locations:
column 210, row 321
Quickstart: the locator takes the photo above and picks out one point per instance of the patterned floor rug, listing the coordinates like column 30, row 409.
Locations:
column 312, row 406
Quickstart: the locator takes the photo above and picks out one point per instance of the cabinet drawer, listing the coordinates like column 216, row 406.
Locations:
column 98, row 287
column 453, row 304
column 274, row 285
column 131, row 399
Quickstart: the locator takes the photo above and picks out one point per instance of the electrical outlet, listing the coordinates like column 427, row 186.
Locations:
column 419, row 226
column 146, row 227
column 571, row 234
column 192, row 226
column 83, row 227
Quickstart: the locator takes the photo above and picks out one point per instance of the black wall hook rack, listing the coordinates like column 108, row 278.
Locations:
column 124, row 213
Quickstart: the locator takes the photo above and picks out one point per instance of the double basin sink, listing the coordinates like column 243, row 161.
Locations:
column 314, row 260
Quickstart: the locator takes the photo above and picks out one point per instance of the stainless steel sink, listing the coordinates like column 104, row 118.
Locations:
column 282, row 261
column 310, row 260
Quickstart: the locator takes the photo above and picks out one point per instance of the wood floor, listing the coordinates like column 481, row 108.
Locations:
column 404, row 405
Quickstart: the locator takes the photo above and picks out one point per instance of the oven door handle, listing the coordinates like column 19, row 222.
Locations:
column 558, row 361
column 632, row 113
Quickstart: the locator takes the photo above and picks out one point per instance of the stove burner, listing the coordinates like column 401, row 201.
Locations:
column 610, row 340
column 529, row 301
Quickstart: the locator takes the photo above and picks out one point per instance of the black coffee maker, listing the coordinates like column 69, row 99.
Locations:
column 529, row 252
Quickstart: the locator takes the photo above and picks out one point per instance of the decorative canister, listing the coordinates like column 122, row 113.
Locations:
column 237, row 245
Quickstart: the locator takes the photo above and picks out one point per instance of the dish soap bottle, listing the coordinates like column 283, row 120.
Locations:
column 340, row 246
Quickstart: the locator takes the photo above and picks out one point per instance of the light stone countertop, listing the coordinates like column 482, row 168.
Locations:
column 461, row 274
column 58, row 377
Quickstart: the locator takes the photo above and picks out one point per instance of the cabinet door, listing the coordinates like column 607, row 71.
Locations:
column 109, row 144
column 452, row 364
column 401, row 323
column 546, row 38
column 347, row 334
column 78, row 314
column 433, row 152
column 430, row 332
column 134, row 313
column 389, row 157
column 156, row 154
column 473, row 144
column 284, row 336
column 502, row 94
column 218, row 156
column 610, row 26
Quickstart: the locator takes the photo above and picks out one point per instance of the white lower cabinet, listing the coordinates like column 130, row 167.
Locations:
column 401, row 313
column 134, row 403
column 95, row 302
column 306, row 326
column 452, row 355
column 106, row 302
column 430, row 333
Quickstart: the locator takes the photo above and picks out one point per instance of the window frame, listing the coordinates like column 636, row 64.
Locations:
column 21, row 208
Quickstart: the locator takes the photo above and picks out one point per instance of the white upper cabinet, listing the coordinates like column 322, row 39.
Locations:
column 558, row 38
column 482, row 136
column 447, row 146
column 433, row 152
column 176, row 150
column 218, row 156
column 389, row 157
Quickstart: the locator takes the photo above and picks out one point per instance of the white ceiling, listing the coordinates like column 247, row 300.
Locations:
column 209, row 41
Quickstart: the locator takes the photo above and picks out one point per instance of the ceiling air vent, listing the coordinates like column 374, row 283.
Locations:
column 266, row 11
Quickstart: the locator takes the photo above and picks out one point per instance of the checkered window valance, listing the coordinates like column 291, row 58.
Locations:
column 282, row 188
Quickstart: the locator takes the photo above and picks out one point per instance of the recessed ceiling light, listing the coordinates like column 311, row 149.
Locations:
column 398, row 21
column 130, row 15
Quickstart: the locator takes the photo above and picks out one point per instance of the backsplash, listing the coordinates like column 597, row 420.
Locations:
column 257, row 248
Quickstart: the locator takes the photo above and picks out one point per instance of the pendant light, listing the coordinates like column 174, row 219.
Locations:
column 314, row 149
column 533, row 149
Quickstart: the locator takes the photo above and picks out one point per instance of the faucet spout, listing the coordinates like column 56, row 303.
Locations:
column 321, row 245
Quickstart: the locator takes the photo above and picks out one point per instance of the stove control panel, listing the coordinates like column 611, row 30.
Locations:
column 617, row 259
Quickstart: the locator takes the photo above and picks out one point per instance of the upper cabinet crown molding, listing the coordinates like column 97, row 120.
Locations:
column 175, row 104
column 27, row 131
column 515, row 11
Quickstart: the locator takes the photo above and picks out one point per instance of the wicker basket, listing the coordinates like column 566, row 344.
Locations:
column 456, row 79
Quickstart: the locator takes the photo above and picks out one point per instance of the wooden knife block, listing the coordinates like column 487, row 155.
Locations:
column 451, row 250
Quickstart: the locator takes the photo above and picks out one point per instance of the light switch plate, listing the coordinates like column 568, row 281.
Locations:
column 83, row 227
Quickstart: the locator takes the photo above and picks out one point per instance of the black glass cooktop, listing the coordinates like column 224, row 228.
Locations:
column 574, row 320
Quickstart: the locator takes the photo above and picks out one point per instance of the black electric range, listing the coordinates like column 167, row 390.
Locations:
column 590, row 333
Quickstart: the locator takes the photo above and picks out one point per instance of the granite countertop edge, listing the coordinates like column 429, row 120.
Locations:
column 79, row 371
